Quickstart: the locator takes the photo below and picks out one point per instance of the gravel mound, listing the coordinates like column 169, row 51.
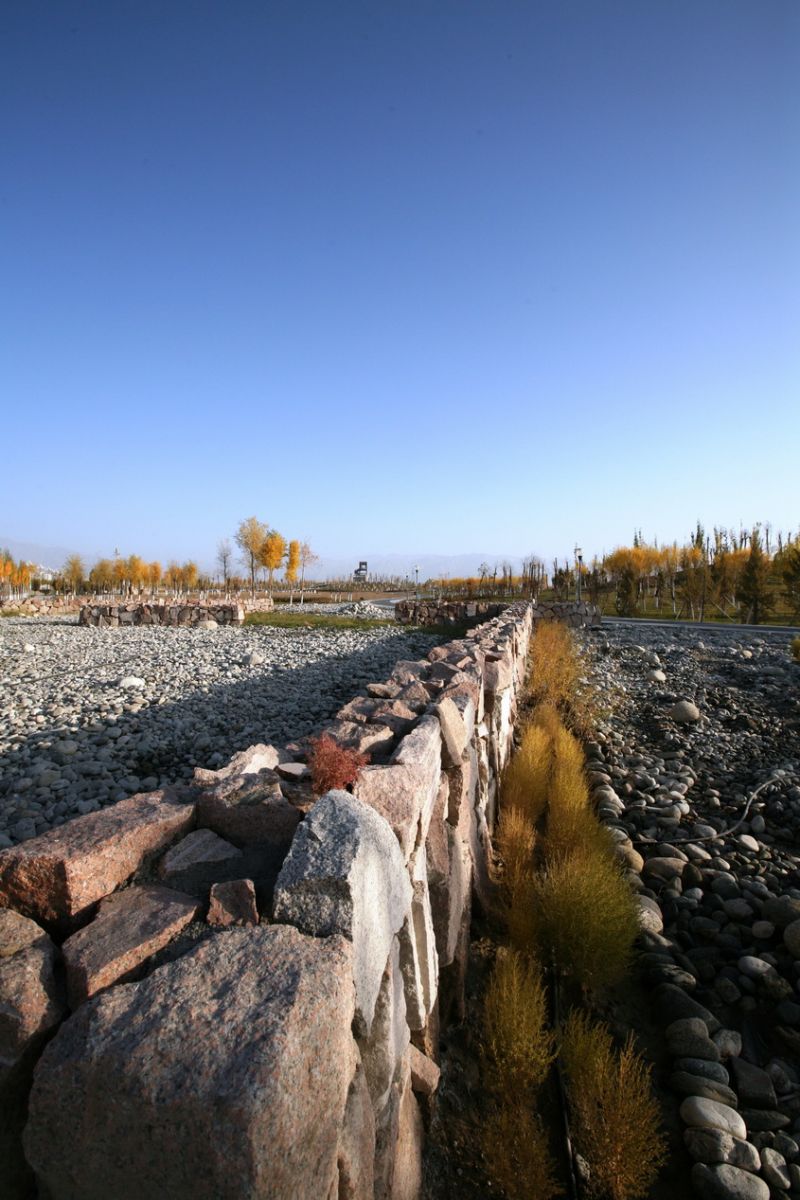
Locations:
column 89, row 716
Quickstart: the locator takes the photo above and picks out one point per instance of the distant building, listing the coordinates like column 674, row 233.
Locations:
column 361, row 572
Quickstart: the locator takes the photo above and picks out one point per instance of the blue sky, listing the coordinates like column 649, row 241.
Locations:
column 411, row 277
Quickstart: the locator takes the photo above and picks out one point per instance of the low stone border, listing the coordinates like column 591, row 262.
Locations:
column 112, row 615
column 459, row 612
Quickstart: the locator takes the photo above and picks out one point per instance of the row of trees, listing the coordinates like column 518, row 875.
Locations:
column 15, row 577
column 745, row 575
column 266, row 551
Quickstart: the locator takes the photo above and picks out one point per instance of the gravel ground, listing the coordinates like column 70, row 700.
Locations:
column 89, row 716
column 722, row 879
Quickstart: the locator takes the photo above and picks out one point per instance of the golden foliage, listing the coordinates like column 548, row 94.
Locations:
column 518, row 1046
column 795, row 647
column 520, row 917
column 516, row 840
column 517, row 1155
column 526, row 778
column 554, row 666
column 272, row 551
column 616, row 1117
column 293, row 561
column 584, row 914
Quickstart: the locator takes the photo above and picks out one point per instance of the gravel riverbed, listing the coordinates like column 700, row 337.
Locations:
column 89, row 716
column 701, row 720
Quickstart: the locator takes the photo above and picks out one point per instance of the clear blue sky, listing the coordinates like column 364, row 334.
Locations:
column 406, row 277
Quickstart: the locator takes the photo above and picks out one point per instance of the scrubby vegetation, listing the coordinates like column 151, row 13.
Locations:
column 332, row 765
column 567, row 905
column 519, row 1047
column 796, row 649
column 616, row 1119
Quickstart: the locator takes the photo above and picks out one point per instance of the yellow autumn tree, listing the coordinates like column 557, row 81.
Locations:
column 189, row 575
column 292, row 566
column 74, row 572
column 153, row 575
column 272, row 554
column 250, row 538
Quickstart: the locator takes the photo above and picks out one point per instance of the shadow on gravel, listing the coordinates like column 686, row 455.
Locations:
column 168, row 740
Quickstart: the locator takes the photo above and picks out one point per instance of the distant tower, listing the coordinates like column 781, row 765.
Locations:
column 361, row 572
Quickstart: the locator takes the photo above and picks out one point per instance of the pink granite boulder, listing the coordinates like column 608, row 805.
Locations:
column 59, row 875
column 130, row 926
column 31, row 1006
column 233, row 903
column 223, row 1075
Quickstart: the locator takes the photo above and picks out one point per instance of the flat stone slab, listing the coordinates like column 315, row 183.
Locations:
column 129, row 928
column 223, row 1075
column 200, row 859
column 249, row 809
column 62, row 873
column 256, row 758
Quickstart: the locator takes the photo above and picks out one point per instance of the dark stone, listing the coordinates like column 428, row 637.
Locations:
column 695, row 1085
column 759, row 1119
column 702, row 1066
column 753, row 1085
column 674, row 1005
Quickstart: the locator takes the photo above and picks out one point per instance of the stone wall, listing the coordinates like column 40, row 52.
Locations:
column 43, row 604
column 461, row 612
column 238, row 990
column 160, row 614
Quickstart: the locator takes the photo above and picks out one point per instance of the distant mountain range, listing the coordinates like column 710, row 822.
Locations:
column 329, row 567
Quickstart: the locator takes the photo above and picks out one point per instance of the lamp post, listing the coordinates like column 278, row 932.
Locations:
column 416, row 581
column 579, row 567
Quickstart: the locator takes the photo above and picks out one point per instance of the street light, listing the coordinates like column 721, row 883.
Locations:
column 579, row 562
column 416, row 581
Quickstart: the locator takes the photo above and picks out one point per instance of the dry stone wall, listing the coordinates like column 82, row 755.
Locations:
column 459, row 612
column 238, row 989
column 160, row 614
column 43, row 604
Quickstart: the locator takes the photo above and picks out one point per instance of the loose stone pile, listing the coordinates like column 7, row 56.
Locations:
column 701, row 721
column 89, row 716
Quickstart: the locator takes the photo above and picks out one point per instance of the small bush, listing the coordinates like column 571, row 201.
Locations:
column 796, row 649
column 526, row 779
column 332, row 765
column 516, row 840
column 554, row 667
column 616, row 1117
column 518, row 1045
column 517, row 1155
column 520, row 916
column 585, row 917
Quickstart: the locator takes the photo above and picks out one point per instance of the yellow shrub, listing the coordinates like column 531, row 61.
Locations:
column 520, row 915
column 518, row 1046
column 615, row 1115
column 517, row 1154
column 554, row 667
column 516, row 839
column 526, row 779
column 585, row 917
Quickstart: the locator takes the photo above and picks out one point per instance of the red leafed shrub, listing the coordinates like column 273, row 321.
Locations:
column 332, row 765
